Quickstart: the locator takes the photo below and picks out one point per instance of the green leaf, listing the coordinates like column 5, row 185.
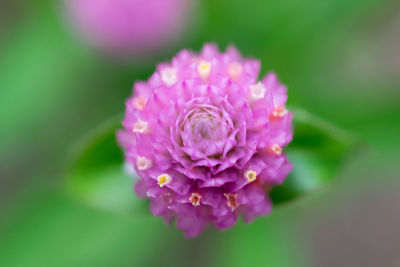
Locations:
column 96, row 174
column 317, row 151
column 52, row 230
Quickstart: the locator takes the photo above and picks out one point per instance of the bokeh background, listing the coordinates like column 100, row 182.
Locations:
column 340, row 60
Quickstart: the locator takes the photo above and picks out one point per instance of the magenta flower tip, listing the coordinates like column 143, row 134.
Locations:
column 206, row 139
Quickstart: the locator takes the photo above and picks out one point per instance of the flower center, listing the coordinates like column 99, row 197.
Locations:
column 203, row 127
column 204, row 131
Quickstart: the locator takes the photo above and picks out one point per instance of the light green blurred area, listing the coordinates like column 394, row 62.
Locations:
column 339, row 59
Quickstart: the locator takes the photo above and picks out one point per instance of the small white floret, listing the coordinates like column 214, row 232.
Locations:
column 257, row 91
column 164, row 179
column 169, row 76
column 140, row 126
column 143, row 163
column 204, row 69
column 250, row 175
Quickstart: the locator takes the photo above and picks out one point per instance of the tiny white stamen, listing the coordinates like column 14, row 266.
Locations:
column 276, row 149
column 169, row 76
column 195, row 199
column 204, row 69
column 231, row 201
column 163, row 179
column 257, row 91
column 140, row 126
column 250, row 175
column 143, row 163
column 235, row 70
column 279, row 112
column 139, row 102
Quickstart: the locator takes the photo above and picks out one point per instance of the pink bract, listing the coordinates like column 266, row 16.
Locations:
column 206, row 139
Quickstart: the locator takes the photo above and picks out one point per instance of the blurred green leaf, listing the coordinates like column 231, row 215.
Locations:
column 52, row 230
column 97, row 175
column 317, row 151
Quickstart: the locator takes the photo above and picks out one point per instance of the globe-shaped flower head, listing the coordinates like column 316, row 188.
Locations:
column 206, row 139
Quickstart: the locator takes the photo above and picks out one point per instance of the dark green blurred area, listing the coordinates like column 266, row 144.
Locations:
column 340, row 60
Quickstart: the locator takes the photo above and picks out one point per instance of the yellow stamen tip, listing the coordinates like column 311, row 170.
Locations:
column 204, row 69
column 163, row 179
column 250, row 175
column 276, row 149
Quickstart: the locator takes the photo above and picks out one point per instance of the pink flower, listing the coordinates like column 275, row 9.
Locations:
column 125, row 26
column 206, row 138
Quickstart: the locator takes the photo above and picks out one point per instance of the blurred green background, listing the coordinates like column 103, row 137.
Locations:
column 340, row 60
